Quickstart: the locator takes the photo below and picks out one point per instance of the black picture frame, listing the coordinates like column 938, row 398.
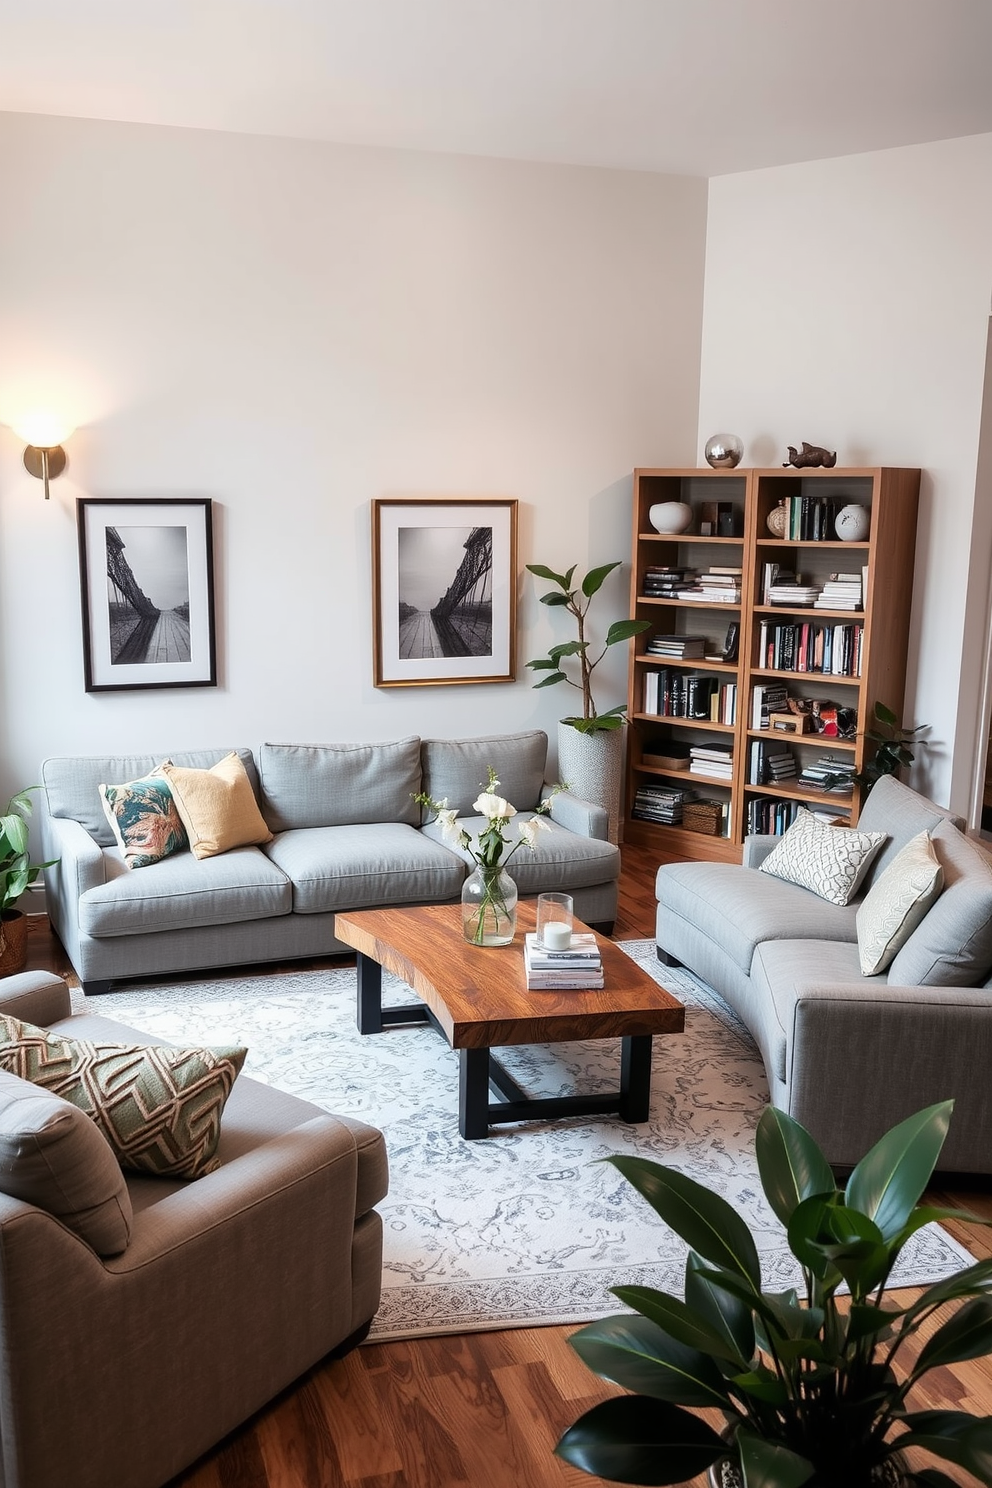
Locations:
column 147, row 592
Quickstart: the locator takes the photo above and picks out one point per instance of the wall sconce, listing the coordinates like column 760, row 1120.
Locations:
column 44, row 456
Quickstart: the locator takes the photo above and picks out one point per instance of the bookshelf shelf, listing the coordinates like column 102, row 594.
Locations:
column 743, row 499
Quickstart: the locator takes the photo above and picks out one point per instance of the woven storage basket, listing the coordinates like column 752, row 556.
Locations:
column 702, row 816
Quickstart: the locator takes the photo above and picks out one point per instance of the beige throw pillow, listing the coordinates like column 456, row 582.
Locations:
column 897, row 902
column 829, row 861
column 217, row 806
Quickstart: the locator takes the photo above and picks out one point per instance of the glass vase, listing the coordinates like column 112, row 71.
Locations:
column 489, row 907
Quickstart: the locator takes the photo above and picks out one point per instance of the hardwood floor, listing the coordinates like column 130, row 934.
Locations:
column 480, row 1409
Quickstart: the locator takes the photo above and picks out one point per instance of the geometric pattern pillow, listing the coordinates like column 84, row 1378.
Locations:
column 159, row 1108
column 144, row 819
column 896, row 903
column 829, row 861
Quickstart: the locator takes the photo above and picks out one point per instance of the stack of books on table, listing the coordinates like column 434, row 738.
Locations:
column 575, row 969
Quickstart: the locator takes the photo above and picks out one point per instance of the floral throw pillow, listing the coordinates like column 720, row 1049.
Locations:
column 144, row 820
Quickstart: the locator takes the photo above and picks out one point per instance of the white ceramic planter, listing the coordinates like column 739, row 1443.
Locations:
column 592, row 766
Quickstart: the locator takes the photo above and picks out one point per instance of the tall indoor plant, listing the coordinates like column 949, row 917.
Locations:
column 17, row 873
column 806, row 1386
column 590, row 743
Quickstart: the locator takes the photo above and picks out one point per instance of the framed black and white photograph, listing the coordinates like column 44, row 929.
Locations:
column 146, row 576
column 444, row 591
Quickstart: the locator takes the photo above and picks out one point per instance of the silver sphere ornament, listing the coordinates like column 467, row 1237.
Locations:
column 724, row 451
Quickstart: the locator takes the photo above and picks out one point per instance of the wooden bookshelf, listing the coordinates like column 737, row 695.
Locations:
column 887, row 556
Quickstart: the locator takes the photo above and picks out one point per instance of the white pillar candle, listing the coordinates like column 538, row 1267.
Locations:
column 557, row 937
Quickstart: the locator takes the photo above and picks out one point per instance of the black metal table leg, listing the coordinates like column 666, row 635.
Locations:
column 369, row 1011
column 635, row 1077
column 473, row 1093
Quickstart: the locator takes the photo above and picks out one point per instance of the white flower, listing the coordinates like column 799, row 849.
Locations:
column 494, row 808
column 530, row 829
column 447, row 819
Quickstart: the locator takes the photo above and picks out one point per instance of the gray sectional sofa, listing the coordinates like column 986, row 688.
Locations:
column 848, row 1055
column 347, row 834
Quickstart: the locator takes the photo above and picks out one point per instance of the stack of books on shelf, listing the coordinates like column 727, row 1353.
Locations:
column 781, row 587
column 769, row 763
column 661, row 803
column 715, row 761
column 678, row 647
column 829, row 775
column 575, row 969
column 667, row 581
column 716, row 586
column 768, row 698
column 842, row 591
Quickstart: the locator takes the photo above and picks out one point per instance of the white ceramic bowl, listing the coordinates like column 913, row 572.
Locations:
column 670, row 516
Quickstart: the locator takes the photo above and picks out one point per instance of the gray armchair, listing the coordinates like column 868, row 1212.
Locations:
column 123, row 1369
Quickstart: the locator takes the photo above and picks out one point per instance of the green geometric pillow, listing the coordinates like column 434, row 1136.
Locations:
column 144, row 820
column 159, row 1108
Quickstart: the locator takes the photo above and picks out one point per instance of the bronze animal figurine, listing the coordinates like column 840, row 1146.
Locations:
column 810, row 455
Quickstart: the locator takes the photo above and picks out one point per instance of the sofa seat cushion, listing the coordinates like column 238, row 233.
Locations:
column 561, row 859
column 739, row 908
column 779, row 967
column 357, row 867
column 456, row 770
column 182, row 892
column 339, row 785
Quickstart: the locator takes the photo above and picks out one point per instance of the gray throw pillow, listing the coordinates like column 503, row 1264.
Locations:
column 896, row 903
column 952, row 946
column 52, row 1156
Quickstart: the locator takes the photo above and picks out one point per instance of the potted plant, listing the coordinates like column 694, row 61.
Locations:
column 806, row 1386
column 590, row 743
column 16, row 875
column 892, row 749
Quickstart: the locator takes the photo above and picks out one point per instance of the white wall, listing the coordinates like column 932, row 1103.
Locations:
column 846, row 302
column 292, row 330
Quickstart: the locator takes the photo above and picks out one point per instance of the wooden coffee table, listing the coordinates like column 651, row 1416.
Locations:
column 476, row 996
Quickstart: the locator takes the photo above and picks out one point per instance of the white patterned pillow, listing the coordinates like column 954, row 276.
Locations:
column 829, row 861
column 897, row 902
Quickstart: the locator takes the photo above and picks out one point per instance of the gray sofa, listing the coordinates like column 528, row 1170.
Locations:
column 849, row 1055
column 134, row 1342
column 347, row 835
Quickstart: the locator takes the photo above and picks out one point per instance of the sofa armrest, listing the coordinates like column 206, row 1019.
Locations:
column 35, row 997
column 862, row 1048
column 584, row 818
column 80, row 863
column 756, row 849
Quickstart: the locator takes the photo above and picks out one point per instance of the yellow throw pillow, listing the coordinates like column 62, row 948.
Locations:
column 217, row 806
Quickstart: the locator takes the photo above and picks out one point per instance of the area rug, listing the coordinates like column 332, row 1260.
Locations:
column 527, row 1226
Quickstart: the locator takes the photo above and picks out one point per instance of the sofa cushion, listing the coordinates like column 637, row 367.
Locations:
column 52, row 1156
column 902, row 814
column 896, row 903
column 72, row 783
column 159, row 1107
column 183, row 892
column 358, row 867
column 560, row 860
column 144, row 820
column 829, row 861
column 336, row 785
column 738, row 908
column 457, row 769
column 779, row 968
column 952, row 945
column 217, row 806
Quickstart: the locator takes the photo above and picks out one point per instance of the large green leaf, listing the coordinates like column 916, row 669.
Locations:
column 705, row 1221
column 634, row 1440
column 568, row 648
column 593, row 580
column 808, row 1236
column 974, row 1280
column 681, row 1322
column 966, row 1335
column 634, row 1353
column 550, row 680
column 543, row 664
column 954, row 1435
column 790, row 1163
column 555, row 599
column 888, row 1181
column 728, row 1314
column 622, row 630
column 868, row 1321
column 548, row 573
column 769, row 1464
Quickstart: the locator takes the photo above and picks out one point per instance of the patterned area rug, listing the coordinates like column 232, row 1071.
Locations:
column 525, row 1227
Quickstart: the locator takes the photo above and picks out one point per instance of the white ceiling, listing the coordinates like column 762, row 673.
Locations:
column 701, row 87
